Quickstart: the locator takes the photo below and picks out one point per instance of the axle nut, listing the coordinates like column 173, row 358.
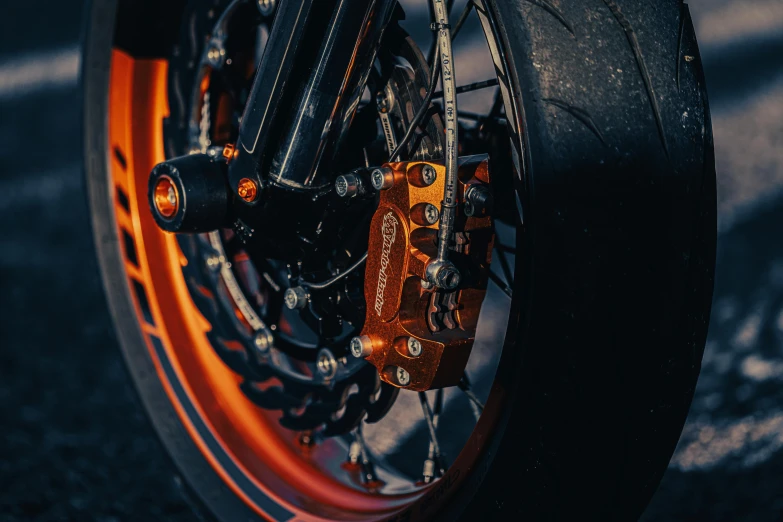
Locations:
column 189, row 194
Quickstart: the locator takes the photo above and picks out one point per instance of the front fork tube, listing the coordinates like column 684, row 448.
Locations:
column 312, row 125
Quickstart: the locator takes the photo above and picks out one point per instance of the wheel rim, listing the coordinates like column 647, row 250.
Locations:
column 260, row 461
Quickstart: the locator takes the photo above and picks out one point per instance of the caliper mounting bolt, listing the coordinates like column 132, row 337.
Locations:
column 382, row 178
column 414, row 347
column 361, row 346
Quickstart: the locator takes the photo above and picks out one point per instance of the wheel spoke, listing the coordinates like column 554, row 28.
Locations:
column 475, row 404
column 358, row 454
column 494, row 112
column 499, row 282
column 423, row 109
column 492, row 82
column 434, row 463
column 462, row 19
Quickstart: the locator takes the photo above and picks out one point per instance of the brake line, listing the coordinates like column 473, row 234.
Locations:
column 441, row 272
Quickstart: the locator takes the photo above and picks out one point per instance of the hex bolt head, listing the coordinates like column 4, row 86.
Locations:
column 263, row 341
column 382, row 178
column 295, row 298
column 431, row 214
column 414, row 347
column 403, row 377
column 428, row 174
column 347, row 185
column 361, row 346
column 267, row 7
column 326, row 364
column 247, row 189
column 478, row 201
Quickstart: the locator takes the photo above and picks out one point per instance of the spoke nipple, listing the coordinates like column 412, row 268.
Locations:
column 414, row 347
column 295, row 298
column 428, row 175
column 403, row 377
column 326, row 364
column 247, row 189
column 429, row 471
column 306, row 439
column 361, row 346
column 382, row 178
column 354, row 452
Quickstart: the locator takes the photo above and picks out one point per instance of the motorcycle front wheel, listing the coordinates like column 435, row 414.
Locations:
column 594, row 327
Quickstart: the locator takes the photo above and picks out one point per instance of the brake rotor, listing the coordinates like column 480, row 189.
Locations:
column 308, row 376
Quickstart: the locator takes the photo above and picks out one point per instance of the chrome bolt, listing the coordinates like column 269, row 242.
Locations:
column 414, row 346
column 478, row 201
column 213, row 262
column 326, row 364
column 263, row 341
column 403, row 377
column 347, row 185
column 361, row 346
column 428, row 174
column 214, row 152
column 295, row 298
column 267, row 7
column 431, row 214
column 215, row 54
column 382, row 178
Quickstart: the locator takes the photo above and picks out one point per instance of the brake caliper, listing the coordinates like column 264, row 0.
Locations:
column 419, row 337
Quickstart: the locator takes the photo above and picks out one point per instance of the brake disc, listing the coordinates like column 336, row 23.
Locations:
column 278, row 373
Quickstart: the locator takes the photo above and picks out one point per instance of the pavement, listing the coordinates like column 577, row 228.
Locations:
column 76, row 444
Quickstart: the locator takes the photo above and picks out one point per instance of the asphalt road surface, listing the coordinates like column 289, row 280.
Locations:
column 75, row 443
